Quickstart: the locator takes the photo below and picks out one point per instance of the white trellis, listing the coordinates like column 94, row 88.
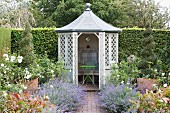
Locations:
column 88, row 23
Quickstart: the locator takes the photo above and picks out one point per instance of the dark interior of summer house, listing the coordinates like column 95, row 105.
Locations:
column 88, row 63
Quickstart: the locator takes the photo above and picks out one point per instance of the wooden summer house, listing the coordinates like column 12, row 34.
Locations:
column 88, row 40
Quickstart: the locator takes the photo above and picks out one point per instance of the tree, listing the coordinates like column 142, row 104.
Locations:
column 16, row 12
column 26, row 47
column 139, row 12
column 149, row 59
column 120, row 13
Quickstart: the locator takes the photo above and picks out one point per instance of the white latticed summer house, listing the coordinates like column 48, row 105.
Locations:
column 88, row 39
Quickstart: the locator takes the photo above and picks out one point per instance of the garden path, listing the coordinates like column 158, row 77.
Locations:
column 91, row 106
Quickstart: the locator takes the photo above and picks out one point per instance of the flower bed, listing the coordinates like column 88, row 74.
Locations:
column 116, row 98
column 66, row 96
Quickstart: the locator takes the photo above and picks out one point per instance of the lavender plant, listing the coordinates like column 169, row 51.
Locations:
column 116, row 98
column 66, row 96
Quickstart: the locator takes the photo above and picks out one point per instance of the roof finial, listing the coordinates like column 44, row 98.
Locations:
column 88, row 6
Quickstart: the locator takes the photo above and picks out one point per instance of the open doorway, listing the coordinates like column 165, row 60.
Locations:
column 88, row 60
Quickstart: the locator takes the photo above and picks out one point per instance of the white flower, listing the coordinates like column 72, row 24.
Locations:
column 52, row 71
column 155, row 70
column 9, row 85
column 27, row 72
column 161, row 101
column 2, row 65
column 20, row 91
column 7, row 68
column 12, row 58
column 122, row 82
column 20, row 59
column 47, row 98
column 51, row 86
column 118, row 75
column 165, row 85
column 5, row 55
column 38, row 65
column 4, row 93
column 163, row 74
column 5, row 72
column 6, row 58
column 169, row 74
column 28, row 76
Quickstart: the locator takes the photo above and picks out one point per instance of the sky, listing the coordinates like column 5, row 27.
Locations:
column 164, row 2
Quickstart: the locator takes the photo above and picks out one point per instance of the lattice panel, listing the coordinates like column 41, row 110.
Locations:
column 62, row 46
column 113, row 50
column 107, row 50
column 69, row 50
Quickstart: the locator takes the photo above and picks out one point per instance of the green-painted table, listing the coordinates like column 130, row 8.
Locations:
column 87, row 69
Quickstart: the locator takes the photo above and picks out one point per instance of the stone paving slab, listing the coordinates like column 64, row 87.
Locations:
column 91, row 106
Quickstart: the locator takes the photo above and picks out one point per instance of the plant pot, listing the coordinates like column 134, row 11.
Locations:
column 144, row 83
column 32, row 85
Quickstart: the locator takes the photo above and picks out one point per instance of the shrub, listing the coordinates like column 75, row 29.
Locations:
column 150, row 102
column 116, row 98
column 49, row 69
column 26, row 48
column 149, row 58
column 123, row 72
column 22, row 102
column 66, row 96
column 10, row 74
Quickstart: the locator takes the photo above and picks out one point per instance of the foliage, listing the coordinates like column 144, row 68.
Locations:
column 49, row 69
column 139, row 12
column 152, row 102
column 10, row 73
column 66, row 96
column 124, row 72
column 116, row 98
column 5, row 39
column 22, row 102
column 14, row 13
column 26, row 48
column 121, row 13
column 44, row 40
column 148, row 57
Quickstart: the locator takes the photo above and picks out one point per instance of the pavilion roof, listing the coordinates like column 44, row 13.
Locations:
column 88, row 22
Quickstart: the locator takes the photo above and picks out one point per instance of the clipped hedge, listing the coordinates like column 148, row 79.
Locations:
column 130, row 42
column 44, row 39
column 5, row 39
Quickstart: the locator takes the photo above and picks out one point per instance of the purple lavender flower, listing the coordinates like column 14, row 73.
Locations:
column 66, row 96
column 116, row 98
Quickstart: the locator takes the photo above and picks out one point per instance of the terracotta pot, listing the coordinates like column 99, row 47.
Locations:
column 144, row 83
column 32, row 85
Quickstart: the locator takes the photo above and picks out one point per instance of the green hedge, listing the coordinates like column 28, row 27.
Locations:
column 45, row 39
column 5, row 39
column 130, row 42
